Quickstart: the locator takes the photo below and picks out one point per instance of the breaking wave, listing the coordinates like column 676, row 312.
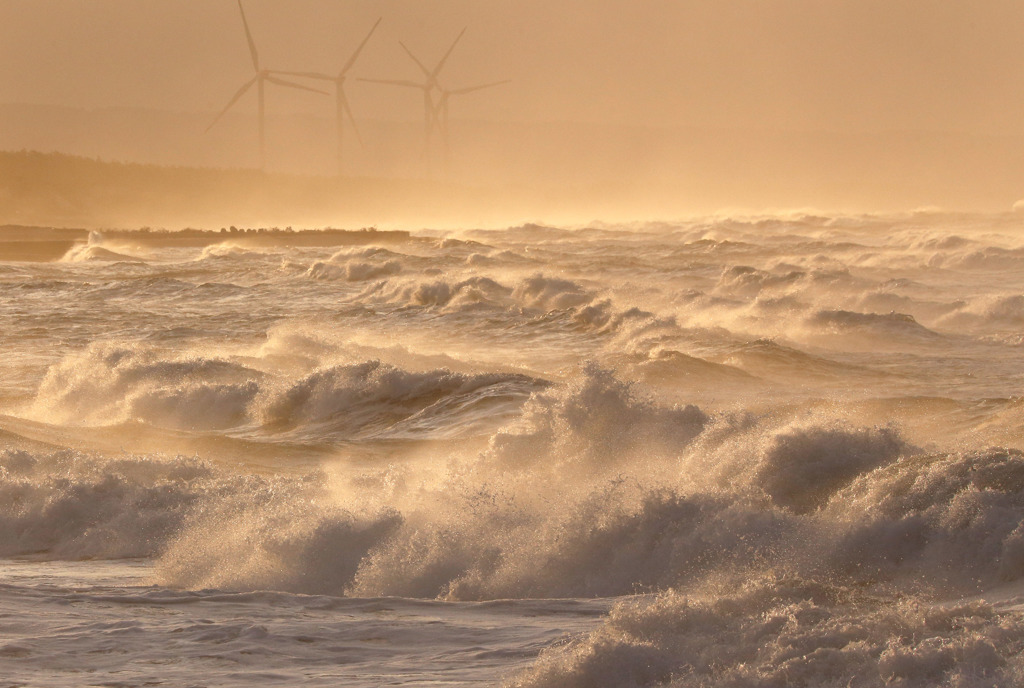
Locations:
column 109, row 384
column 87, row 252
column 788, row 631
column 593, row 491
column 68, row 505
column 784, row 441
column 373, row 398
column 875, row 329
column 993, row 312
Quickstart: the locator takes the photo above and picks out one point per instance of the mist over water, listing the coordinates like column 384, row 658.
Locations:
column 489, row 439
column 727, row 451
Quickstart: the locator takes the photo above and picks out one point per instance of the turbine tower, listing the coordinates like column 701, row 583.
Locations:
column 441, row 108
column 342, row 107
column 429, row 85
column 260, row 79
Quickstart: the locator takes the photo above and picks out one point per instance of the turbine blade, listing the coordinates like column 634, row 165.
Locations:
column 355, row 55
column 234, row 99
column 408, row 52
column 305, row 75
column 391, row 82
column 248, row 36
column 293, row 84
column 440, row 65
column 470, row 89
column 351, row 119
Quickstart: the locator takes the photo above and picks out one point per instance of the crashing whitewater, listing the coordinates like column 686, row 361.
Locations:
column 729, row 452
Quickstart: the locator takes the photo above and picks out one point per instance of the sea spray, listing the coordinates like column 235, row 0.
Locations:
column 783, row 450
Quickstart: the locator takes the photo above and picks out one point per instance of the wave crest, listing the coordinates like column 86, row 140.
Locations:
column 109, row 383
column 788, row 632
column 371, row 398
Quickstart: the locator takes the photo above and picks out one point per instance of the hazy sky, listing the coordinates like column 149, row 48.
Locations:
column 798, row 64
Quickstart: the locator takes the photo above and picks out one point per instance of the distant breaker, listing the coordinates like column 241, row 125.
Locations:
column 261, row 236
column 24, row 243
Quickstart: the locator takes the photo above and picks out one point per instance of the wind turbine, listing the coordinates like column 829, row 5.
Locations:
column 441, row 108
column 260, row 79
column 428, row 86
column 343, row 110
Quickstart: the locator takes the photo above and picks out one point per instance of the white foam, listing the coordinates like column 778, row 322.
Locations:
column 789, row 632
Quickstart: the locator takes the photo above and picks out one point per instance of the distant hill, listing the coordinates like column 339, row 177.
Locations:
column 499, row 173
column 49, row 189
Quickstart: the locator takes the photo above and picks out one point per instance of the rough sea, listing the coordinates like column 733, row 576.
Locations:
column 732, row 451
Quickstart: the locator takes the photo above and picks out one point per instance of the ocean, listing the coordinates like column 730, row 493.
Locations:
column 778, row 450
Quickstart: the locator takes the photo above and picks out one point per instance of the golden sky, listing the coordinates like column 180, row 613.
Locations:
column 863, row 65
column 647, row 107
